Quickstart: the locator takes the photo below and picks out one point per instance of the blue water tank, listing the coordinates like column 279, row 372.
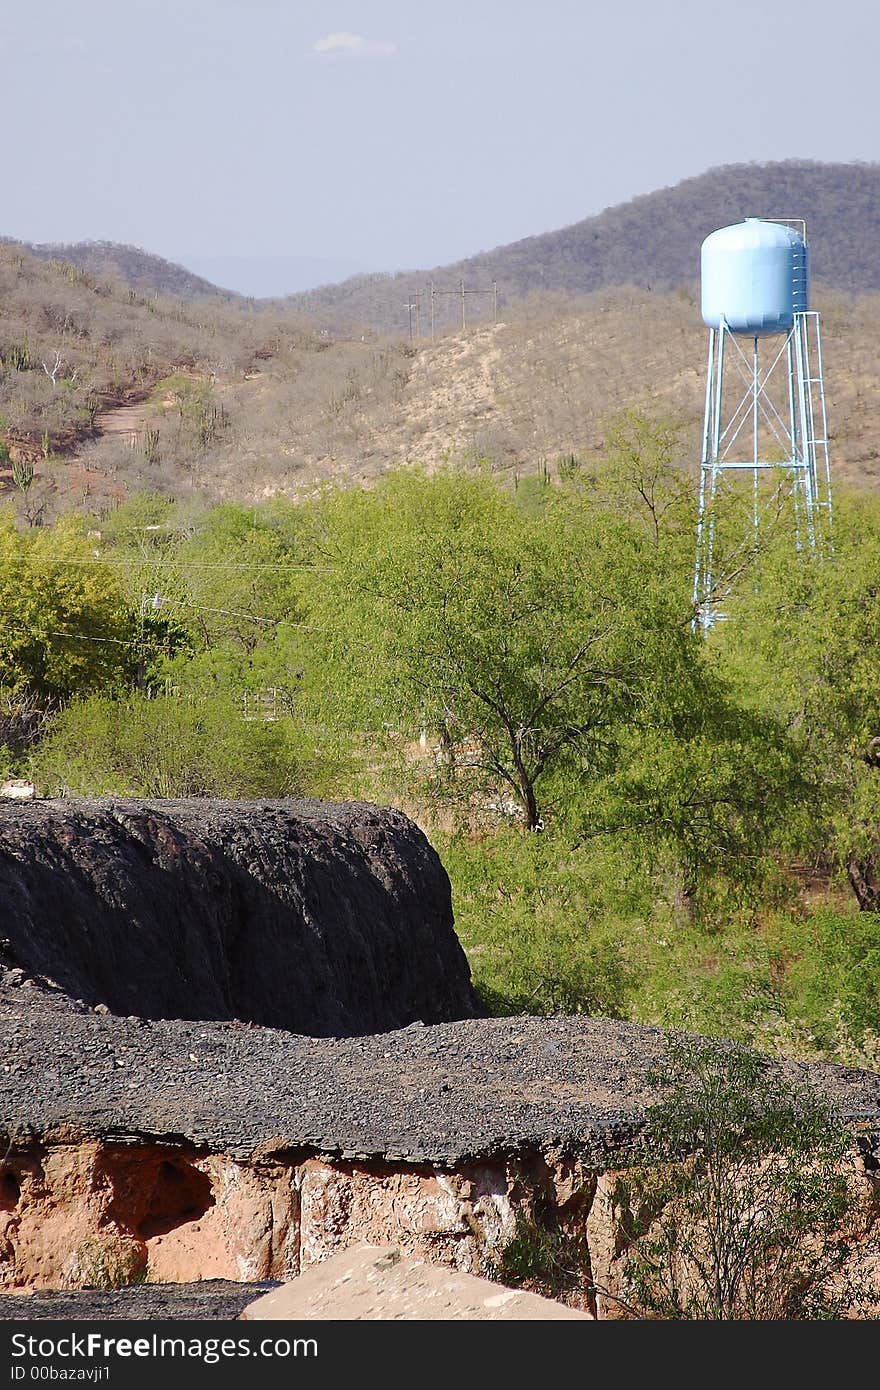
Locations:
column 755, row 275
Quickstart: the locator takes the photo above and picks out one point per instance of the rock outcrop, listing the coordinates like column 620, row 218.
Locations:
column 184, row 1142
column 321, row 919
column 209, row 1300
column 185, row 1151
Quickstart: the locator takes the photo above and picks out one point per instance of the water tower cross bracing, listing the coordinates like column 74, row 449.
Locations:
column 765, row 428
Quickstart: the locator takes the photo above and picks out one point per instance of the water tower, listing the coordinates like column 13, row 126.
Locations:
column 765, row 428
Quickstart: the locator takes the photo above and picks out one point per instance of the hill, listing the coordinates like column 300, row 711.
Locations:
column 73, row 345
column 138, row 270
column 651, row 242
column 104, row 391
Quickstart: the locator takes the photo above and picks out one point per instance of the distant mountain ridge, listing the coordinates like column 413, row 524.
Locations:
column 651, row 242
column 139, row 270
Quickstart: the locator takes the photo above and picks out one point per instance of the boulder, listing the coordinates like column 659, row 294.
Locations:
column 375, row 1283
column 327, row 920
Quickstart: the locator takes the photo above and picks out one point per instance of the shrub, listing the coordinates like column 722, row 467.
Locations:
column 164, row 747
column 534, row 919
column 749, row 1208
column 832, row 978
column 544, row 1259
column 107, row 1263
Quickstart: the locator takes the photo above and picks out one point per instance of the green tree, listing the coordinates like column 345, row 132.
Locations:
column 549, row 647
column 217, row 592
column 530, row 635
column 804, row 642
column 543, row 925
column 236, row 583
column 749, row 1208
column 710, row 787
column 65, row 627
column 643, row 476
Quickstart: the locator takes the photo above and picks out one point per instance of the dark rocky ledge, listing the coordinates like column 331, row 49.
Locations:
column 444, row 1094
column 324, row 919
column 207, row 1300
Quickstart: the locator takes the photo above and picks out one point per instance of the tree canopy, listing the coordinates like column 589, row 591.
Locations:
column 629, row 812
column 65, row 627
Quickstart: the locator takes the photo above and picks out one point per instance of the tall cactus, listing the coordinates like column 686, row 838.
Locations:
column 212, row 420
column 23, row 474
column 151, row 446
column 18, row 357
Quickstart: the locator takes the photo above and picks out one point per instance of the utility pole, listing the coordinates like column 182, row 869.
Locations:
column 462, row 293
column 154, row 602
column 415, row 303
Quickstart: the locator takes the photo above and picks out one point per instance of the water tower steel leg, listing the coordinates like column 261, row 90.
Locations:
column 805, row 462
column 719, row 394
column 699, row 575
column 808, row 396
column 816, row 406
column 755, row 393
column 715, row 450
column 797, row 481
column 806, row 431
column 710, row 551
column 824, row 414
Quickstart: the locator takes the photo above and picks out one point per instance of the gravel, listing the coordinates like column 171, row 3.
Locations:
column 441, row 1094
column 205, row 1301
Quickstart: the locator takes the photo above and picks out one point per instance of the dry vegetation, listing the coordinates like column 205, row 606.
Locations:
column 127, row 266
column 73, row 346
column 104, row 391
column 517, row 398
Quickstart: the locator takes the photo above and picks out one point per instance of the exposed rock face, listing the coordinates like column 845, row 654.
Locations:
column 188, row 1151
column 320, row 919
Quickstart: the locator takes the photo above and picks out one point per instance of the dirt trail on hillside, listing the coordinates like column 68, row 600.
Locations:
column 455, row 394
column 129, row 419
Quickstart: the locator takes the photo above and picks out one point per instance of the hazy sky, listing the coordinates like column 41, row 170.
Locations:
column 387, row 134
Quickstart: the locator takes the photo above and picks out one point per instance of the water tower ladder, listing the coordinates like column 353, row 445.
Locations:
column 816, row 456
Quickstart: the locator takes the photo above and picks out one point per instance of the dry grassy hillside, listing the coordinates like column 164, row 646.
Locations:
column 227, row 402
column 516, row 397
column 130, row 266
column 544, row 383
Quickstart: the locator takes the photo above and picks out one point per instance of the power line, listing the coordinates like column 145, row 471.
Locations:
column 461, row 293
column 226, row 612
column 101, row 560
column 76, row 636
column 414, row 302
column 6, row 622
